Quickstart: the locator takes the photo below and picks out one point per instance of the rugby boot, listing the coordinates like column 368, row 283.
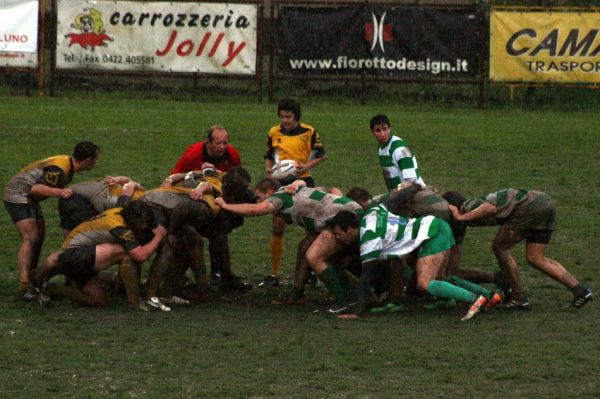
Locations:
column 581, row 298
column 492, row 301
column 269, row 281
column 154, row 302
column 517, row 304
column 474, row 308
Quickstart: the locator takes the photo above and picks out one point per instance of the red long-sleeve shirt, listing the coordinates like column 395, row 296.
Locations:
column 197, row 154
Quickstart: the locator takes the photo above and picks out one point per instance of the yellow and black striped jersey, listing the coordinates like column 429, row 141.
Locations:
column 107, row 227
column 301, row 144
column 54, row 172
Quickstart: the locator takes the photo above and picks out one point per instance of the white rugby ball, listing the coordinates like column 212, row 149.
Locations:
column 283, row 169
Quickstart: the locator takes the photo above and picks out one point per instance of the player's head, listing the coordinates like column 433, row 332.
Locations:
column 344, row 226
column 141, row 220
column 86, row 153
column 381, row 128
column 289, row 113
column 454, row 198
column 217, row 140
column 359, row 195
column 265, row 188
column 236, row 183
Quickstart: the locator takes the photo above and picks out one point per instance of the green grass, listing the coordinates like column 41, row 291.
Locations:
column 242, row 346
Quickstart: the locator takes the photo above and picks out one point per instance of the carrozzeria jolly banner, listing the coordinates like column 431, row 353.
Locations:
column 561, row 47
column 157, row 36
column 403, row 42
column 19, row 33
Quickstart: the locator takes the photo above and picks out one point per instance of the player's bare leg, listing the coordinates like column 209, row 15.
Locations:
column 33, row 239
column 505, row 239
column 536, row 258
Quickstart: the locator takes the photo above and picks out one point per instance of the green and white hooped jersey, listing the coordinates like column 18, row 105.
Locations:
column 311, row 208
column 398, row 163
column 384, row 235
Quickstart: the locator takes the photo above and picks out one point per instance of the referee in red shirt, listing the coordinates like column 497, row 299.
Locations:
column 214, row 152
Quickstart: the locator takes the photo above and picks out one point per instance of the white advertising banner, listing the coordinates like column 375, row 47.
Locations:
column 157, row 36
column 18, row 33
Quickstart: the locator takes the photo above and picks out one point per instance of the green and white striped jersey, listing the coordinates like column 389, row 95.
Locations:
column 311, row 208
column 398, row 163
column 523, row 209
column 384, row 235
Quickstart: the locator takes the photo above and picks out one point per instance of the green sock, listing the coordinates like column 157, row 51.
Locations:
column 349, row 290
column 469, row 286
column 444, row 289
column 331, row 280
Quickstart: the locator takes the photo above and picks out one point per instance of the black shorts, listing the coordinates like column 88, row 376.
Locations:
column 537, row 236
column 20, row 212
column 74, row 210
column 78, row 264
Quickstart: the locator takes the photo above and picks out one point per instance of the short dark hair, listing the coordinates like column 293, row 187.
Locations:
column 267, row 184
column 139, row 216
column 380, row 119
column 358, row 194
column 235, row 184
column 344, row 220
column 209, row 136
column 85, row 150
column 454, row 198
column 288, row 104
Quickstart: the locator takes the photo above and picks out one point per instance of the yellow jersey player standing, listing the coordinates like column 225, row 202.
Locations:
column 34, row 183
column 290, row 140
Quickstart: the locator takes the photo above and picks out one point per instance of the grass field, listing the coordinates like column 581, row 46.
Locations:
column 242, row 346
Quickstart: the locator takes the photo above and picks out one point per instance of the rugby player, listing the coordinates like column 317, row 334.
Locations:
column 34, row 183
column 297, row 141
column 94, row 197
column 189, row 215
column 398, row 163
column 385, row 236
column 128, row 236
column 412, row 201
column 309, row 208
column 522, row 215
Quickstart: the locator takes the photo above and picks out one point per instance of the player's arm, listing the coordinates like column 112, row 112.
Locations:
column 50, row 183
column 141, row 253
column 483, row 210
column 112, row 180
column 262, row 208
column 173, row 179
column 403, row 160
column 295, row 186
column 302, row 167
column 319, row 154
column 44, row 191
column 269, row 156
column 201, row 189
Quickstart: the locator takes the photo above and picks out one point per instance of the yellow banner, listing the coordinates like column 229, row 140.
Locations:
column 562, row 47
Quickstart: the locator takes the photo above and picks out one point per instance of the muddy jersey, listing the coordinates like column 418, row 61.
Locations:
column 523, row 209
column 194, row 178
column 107, row 227
column 55, row 172
column 301, row 144
column 311, row 208
column 101, row 195
column 426, row 202
column 168, row 198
